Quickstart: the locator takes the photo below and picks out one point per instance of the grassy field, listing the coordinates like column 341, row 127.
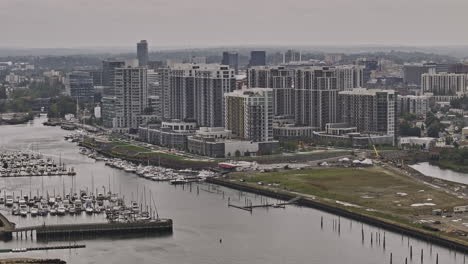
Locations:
column 141, row 154
column 126, row 146
column 376, row 188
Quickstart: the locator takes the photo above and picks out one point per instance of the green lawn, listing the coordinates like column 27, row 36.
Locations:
column 375, row 188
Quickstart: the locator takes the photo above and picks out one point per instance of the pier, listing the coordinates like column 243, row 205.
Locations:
column 51, row 231
column 249, row 207
column 17, row 250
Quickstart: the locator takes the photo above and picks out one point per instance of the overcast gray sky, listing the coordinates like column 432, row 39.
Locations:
column 195, row 23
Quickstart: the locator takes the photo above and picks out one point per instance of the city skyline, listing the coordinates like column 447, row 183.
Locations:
column 165, row 23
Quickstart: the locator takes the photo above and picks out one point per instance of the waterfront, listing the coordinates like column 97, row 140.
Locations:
column 291, row 235
column 436, row 172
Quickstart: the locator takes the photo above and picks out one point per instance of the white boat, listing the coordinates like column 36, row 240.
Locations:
column 23, row 210
column 9, row 202
column 178, row 181
column 61, row 210
column 89, row 210
column 34, row 211
column 53, row 211
column 15, row 211
column 51, row 200
column 135, row 207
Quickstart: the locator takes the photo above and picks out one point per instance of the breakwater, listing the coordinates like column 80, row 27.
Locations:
column 404, row 230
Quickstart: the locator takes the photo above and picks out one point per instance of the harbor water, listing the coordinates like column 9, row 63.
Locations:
column 436, row 172
column 206, row 230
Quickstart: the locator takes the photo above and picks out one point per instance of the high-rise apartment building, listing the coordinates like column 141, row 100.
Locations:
column 291, row 55
column 316, row 91
column 370, row 110
column 109, row 119
column 349, row 77
column 79, row 85
column 448, row 84
column 195, row 91
column 108, row 73
column 231, row 59
column 131, row 96
column 153, row 92
column 249, row 114
column 281, row 80
column 257, row 58
column 308, row 93
column 142, row 53
column 418, row 105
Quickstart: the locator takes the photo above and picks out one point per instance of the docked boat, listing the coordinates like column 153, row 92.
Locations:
column 23, row 210
column 89, row 210
column 53, row 211
column 9, row 201
column 34, row 211
column 15, row 211
column 61, row 211
column 178, row 181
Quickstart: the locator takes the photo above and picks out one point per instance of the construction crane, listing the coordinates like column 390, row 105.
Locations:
column 377, row 155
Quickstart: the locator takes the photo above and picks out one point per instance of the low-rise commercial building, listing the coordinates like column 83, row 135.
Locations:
column 171, row 134
column 421, row 142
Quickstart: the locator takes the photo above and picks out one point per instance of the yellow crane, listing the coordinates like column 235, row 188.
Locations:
column 377, row 155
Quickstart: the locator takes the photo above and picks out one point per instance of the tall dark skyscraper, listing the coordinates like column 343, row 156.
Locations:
column 142, row 53
column 231, row 59
column 257, row 58
column 108, row 73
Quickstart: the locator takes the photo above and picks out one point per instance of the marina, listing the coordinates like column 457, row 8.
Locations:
column 21, row 164
column 200, row 216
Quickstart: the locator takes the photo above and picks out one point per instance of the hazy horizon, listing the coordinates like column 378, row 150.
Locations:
column 208, row 23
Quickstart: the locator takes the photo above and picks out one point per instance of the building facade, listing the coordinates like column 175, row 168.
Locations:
column 370, row 110
column 412, row 72
column 109, row 119
column 231, row 59
column 131, row 96
column 257, row 58
column 291, row 55
column 142, row 53
column 79, row 85
column 281, row 80
column 449, row 84
column 418, row 105
column 108, row 75
column 316, row 91
column 196, row 92
column 249, row 114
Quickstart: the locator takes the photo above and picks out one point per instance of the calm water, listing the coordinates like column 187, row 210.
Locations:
column 435, row 171
column 291, row 235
